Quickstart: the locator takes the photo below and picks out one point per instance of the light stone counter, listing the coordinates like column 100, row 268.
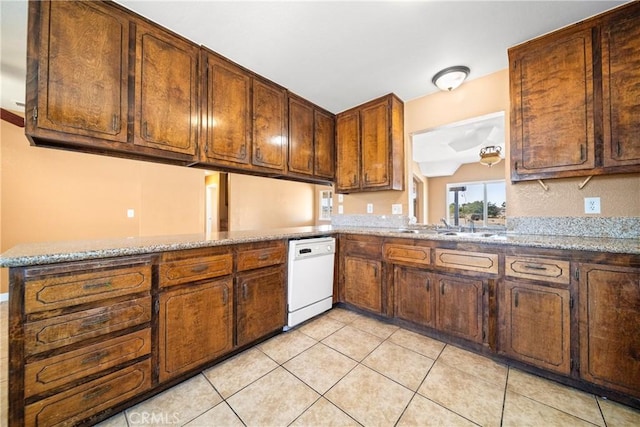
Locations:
column 56, row 252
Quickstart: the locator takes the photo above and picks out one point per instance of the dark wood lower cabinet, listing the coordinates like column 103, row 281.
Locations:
column 363, row 283
column 261, row 307
column 610, row 326
column 459, row 306
column 414, row 296
column 535, row 325
column 195, row 326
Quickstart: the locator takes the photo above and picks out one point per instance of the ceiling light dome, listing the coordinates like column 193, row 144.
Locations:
column 451, row 77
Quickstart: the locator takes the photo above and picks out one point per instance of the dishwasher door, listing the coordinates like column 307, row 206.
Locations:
column 310, row 281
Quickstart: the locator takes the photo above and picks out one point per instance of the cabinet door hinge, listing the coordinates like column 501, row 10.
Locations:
column 571, row 302
column 576, row 274
column 156, row 306
column 483, row 335
column 35, row 114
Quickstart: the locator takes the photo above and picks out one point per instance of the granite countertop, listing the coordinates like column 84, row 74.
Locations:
column 55, row 252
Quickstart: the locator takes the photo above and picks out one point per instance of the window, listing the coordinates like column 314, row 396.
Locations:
column 326, row 205
column 483, row 203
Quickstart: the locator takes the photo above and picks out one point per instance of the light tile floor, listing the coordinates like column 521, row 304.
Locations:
column 344, row 369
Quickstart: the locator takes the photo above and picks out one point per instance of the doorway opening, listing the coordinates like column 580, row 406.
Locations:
column 216, row 202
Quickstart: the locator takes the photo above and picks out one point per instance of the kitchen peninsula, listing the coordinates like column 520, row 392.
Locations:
column 98, row 326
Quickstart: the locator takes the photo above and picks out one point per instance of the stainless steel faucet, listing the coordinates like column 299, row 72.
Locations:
column 444, row 221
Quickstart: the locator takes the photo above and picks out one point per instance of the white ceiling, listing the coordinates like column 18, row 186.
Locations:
column 337, row 54
column 441, row 151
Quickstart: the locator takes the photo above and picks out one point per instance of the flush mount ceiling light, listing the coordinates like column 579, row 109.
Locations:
column 450, row 78
column 490, row 155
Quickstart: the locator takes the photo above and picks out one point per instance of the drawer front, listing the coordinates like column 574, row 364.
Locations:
column 72, row 289
column 548, row 270
column 407, row 254
column 67, row 329
column 464, row 260
column 264, row 257
column 55, row 371
column 193, row 269
column 78, row 403
column 369, row 248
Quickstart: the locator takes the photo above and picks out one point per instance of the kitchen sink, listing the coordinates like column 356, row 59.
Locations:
column 481, row 234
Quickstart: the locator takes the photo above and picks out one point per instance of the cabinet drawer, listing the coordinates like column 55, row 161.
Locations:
column 78, row 403
column 464, row 260
column 262, row 257
column 193, row 269
column 67, row 329
column 66, row 290
column 367, row 247
column 548, row 270
column 407, row 254
column 49, row 373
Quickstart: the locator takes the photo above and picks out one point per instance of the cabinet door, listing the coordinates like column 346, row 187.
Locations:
column 226, row 111
column 621, row 93
column 363, row 283
column 261, row 304
column 552, row 127
column 609, row 324
column 375, row 145
column 348, row 147
column 459, row 306
column 535, row 322
column 300, row 137
column 83, row 66
column 269, row 126
column 414, row 299
column 196, row 326
column 166, row 97
column 324, row 145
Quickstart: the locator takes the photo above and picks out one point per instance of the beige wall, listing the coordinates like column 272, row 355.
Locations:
column 465, row 173
column 50, row 195
column 618, row 193
column 256, row 202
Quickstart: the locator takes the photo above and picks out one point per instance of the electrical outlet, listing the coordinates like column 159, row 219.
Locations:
column 592, row 205
column 131, row 213
column 369, row 207
column 340, row 198
column 396, row 209
column 340, row 209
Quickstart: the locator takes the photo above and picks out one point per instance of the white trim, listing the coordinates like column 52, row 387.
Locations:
column 4, row 297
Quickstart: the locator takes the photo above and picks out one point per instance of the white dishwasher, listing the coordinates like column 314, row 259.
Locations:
column 310, row 281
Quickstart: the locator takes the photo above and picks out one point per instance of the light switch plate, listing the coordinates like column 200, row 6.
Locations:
column 340, row 209
column 131, row 213
column 396, row 209
column 340, row 198
column 592, row 205
column 369, row 207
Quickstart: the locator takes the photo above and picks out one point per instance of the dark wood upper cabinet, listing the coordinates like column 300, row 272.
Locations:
column 269, row 125
column 324, row 150
column 370, row 140
column 552, row 101
column 79, row 92
column 226, row 112
column 78, row 65
column 574, row 99
column 311, row 140
column 300, row 136
column 244, row 123
column 621, row 92
column 348, row 152
column 166, row 98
